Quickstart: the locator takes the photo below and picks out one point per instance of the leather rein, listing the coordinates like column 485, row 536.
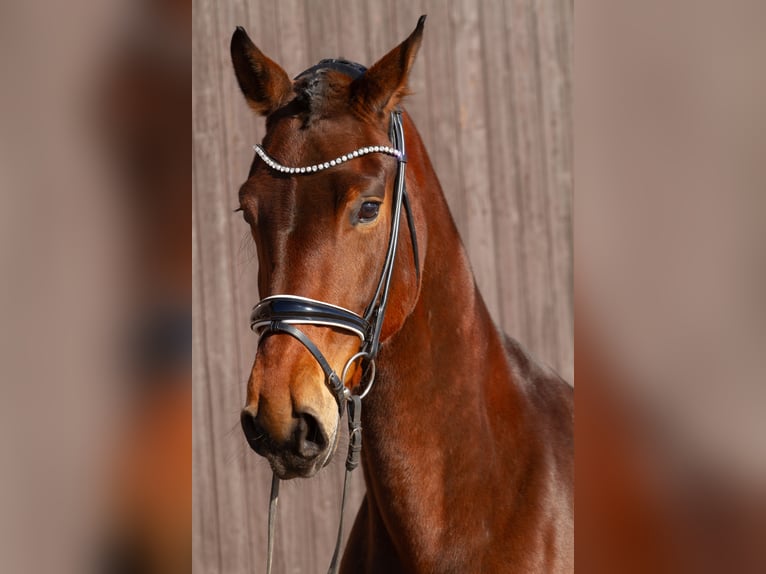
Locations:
column 280, row 314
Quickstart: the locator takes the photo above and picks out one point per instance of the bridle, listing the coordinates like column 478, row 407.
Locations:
column 280, row 314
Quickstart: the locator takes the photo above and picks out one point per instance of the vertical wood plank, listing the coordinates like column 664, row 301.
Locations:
column 210, row 149
column 322, row 29
column 509, row 260
column 405, row 18
column 555, row 93
column 443, row 147
column 379, row 29
column 205, row 516
column 352, row 40
column 529, row 159
column 472, row 140
column 291, row 23
column 204, row 509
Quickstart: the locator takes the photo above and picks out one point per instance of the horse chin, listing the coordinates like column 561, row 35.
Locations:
column 288, row 465
column 287, row 468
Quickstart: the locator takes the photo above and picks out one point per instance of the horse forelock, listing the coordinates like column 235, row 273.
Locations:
column 320, row 91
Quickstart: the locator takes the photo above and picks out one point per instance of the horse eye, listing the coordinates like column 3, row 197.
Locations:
column 368, row 211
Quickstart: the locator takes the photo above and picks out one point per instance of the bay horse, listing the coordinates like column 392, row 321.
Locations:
column 468, row 443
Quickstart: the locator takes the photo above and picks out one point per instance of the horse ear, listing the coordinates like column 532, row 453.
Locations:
column 265, row 84
column 385, row 83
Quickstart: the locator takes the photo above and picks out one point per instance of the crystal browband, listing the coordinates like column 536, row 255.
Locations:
column 272, row 163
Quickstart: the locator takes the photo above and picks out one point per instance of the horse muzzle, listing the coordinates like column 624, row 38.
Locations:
column 303, row 454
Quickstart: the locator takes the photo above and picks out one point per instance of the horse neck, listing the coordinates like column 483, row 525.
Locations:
column 449, row 340
column 427, row 422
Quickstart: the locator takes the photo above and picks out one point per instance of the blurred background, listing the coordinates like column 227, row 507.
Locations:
column 95, row 286
column 492, row 100
column 670, row 276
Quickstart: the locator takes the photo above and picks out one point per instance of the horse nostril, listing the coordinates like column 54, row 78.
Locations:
column 254, row 432
column 310, row 438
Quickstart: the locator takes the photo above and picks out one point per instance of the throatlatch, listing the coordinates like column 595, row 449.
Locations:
column 279, row 314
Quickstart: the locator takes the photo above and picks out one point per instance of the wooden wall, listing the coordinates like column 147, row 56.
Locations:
column 492, row 99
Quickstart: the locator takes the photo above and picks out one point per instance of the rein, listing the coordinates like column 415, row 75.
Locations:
column 279, row 314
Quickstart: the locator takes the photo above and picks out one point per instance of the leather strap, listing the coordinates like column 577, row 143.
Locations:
column 413, row 235
column 376, row 312
column 273, row 500
column 302, row 310
column 354, row 406
column 331, row 378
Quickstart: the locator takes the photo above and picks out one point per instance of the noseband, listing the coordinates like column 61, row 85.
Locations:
column 280, row 314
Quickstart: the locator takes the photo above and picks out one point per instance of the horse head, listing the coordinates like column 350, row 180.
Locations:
column 320, row 201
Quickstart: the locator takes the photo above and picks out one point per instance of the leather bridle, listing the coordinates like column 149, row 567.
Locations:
column 282, row 314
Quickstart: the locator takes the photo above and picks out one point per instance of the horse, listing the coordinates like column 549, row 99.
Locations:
column 468, row 442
